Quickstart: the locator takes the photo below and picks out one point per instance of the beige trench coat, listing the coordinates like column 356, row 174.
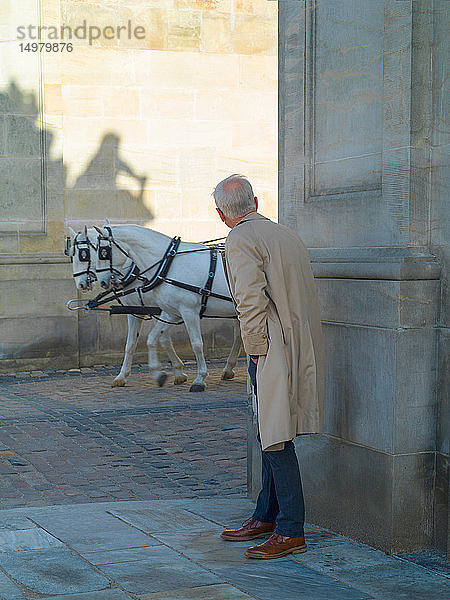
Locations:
column 273, row 287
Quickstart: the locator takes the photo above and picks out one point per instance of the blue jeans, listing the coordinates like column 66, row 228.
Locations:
column 280, row 500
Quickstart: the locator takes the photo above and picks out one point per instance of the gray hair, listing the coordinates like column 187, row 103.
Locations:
column 234, row 196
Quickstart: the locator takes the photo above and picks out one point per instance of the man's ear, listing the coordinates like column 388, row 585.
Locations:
column 256, row 203
column 221, row 215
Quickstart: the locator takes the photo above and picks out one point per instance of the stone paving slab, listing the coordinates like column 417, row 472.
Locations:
column 163, row 570
column 206, row 592
column 27, row 539
column 207, row 548
column 95, row 531
column 55, row 571
column 8, row 590
column 102, row 595
column 223, row 511
column 108, row 557
column 161, row 519
column 434, row 561
column 398, row 580
column 15, row 522
column 269, row 579
column 330, row 553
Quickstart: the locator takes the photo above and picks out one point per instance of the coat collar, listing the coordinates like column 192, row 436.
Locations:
column 253, row 216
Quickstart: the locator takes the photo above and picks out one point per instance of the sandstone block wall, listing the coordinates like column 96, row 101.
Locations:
column 138, row 130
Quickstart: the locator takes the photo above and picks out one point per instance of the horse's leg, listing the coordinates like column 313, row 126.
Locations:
column 192, row 321
column 166, row 342
column 228, row 372
column 152, row 343
column 134, row 327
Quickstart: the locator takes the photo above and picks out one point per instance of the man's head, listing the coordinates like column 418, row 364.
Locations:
column 234, row 199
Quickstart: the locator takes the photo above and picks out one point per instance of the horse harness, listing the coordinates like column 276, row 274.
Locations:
column 84, row 254
column 104, row 249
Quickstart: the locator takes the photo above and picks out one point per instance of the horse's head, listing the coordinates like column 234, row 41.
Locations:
column 82, row 250
column 111, row 260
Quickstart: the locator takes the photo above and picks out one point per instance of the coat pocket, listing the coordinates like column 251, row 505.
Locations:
column 274, row 316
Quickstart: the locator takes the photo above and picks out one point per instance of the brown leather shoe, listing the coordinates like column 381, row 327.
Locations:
column 276, row 546
column 250, row 530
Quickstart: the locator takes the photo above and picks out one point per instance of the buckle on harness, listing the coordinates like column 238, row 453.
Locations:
column 205, row 292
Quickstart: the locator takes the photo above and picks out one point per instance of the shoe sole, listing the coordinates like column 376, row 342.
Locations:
column 298, row 550
column 247, row 538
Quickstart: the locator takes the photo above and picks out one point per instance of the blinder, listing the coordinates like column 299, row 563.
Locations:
column 84, row 254
column 104, row 252
column 68, row 247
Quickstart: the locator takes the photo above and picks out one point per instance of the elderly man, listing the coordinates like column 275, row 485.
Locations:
column 271, row 281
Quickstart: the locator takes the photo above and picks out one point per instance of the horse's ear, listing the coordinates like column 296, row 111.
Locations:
column 72, row 232
column 106, row 223
column 85, row 231
column 98, row 230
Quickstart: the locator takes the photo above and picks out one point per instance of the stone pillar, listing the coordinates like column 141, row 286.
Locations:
column 357, row 114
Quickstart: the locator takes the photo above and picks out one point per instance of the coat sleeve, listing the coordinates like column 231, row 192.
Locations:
column 248, row 281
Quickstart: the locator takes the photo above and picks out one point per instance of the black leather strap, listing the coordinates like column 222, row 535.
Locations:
column 206, row 291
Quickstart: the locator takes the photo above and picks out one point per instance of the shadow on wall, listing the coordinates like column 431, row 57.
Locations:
column 102, row 174
column 24, row 163
column 32, row 185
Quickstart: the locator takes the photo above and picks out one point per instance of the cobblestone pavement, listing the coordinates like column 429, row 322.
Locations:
column 69, row 437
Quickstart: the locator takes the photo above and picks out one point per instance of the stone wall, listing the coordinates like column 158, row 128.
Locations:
column 362, row 180
column 138, row 130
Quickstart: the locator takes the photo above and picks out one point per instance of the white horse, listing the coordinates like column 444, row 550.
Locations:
column 146, row 247
column 85, row 274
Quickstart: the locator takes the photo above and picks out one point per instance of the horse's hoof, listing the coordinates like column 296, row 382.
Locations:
column 228, row 375
column 118, row 383
column 161, row 379
column 197, row 387
column 180, row 379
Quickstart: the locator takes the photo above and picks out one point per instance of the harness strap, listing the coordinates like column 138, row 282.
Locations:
column 150, row 311
column 112, row 240
column 105, row 297
column 225, row 270
column 164, row 267
column 209, row 282
column 132, row 275
column 139, row 291
column 196, row 289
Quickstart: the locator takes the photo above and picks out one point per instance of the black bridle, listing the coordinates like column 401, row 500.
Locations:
column 84, row 254
column 104, row 252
